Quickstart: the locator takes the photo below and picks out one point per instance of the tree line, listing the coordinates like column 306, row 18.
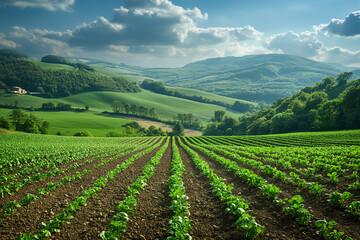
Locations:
column 127, row 108
column 332, row 104
column 159, row 87
column 187, row 120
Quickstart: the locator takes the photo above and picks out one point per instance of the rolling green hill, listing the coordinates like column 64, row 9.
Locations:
column 58, row 79
column 332, row 104
column 253, row 78
column 166, row 106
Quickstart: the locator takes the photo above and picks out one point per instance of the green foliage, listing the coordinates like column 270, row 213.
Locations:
column 178, row 129
column 159, row 87
column 325, row 230
column 314, row 108
column 253, row 78
column 26, row 74
column 133, row 109
column 339, row 199
column 28, row 122
column 12, row 54
column 83, row 134
column 188, row 120
column 296, row 209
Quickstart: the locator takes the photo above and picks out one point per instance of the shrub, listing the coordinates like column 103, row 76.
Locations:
column 84, row 134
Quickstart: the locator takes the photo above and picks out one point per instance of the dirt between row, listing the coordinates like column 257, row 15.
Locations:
column 152, row 211
column 28, row 219
column 207, row 214
column 318, row 206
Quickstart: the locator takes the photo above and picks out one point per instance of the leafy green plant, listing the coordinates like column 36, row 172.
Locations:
column 325, row 230
column 337, row 199
column 270, row 191
column 296, row 209
column 334, row 178
column 316, row 189
column 354, row 208
column 354, row 186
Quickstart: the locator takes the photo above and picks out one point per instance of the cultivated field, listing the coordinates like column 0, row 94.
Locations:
column 289, row 186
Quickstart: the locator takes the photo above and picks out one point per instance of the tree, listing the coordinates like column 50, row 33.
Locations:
column 45, row 127
column 18, row 118
column 218, row 116
column 117, row 106
column 4, row 123
column 344, row 77
column 178, row 129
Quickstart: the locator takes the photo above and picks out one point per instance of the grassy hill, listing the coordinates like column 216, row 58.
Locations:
column 69, row 123
column 208, row 95
column 253, row 78
column 99, row 101
column 59, row 79
column 332, row 104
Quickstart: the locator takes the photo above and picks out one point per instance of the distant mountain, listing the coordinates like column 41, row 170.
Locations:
column 253, row 78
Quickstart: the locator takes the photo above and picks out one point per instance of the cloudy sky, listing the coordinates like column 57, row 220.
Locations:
column 164, row 33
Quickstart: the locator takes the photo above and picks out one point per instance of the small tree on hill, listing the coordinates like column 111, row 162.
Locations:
column 178, row 129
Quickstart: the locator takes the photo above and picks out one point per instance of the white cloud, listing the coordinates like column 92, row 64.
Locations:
column 339, row 55
column 349, row 27
column 6, row 43
column 51, row 5
column 304, row 44
column 31, row 43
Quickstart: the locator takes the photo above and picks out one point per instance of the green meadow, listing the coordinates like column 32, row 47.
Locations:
column 68, row 123
column 100, row 101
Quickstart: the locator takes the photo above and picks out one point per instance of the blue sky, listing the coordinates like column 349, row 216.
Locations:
column 163, row 33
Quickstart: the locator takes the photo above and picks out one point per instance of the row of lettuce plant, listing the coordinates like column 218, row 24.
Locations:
column 126, row 207
column 313, row 187
column 294, row 207
column 12, row 206
column 10, row 188
column 180, row 223
column 236, row 205
column 65, row 216
column 40, row 164
column 27, row 154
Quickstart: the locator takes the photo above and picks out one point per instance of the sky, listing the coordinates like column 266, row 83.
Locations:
column 165, row 33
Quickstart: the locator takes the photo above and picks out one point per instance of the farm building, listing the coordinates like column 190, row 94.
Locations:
column 17, row 90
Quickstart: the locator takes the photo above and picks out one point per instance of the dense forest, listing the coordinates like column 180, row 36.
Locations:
column 159, row 87
column 18, row 71
column 332, row 104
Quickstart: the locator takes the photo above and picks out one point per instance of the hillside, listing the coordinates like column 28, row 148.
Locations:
column 332, row 104
column 253, row 78
column 58, row 79
column 100, row 101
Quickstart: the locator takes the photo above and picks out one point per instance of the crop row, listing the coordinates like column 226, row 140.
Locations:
column 294, row 206
column 66, row 215
column 12, row 206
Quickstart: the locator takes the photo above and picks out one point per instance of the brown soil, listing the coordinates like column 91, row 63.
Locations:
column 207, row 213
column 28, row 219
column 153, row 205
